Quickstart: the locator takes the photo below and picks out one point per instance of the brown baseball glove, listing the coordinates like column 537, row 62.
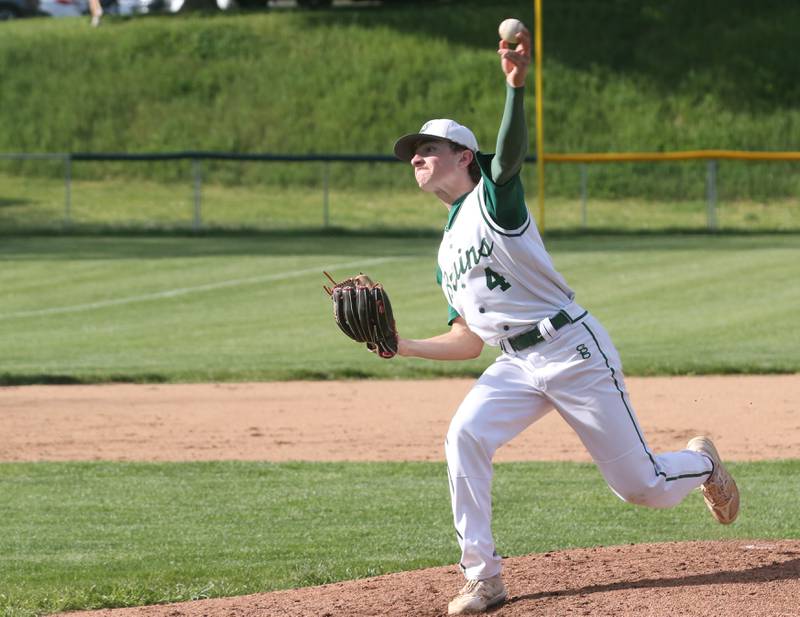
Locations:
column 362, row 311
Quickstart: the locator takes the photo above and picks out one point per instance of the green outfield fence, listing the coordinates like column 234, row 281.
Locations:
column 706, row 190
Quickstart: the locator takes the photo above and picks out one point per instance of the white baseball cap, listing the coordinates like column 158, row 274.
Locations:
column 441, row 128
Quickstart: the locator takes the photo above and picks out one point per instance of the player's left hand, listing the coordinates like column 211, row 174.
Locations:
column 515, row 60
column 362, row 310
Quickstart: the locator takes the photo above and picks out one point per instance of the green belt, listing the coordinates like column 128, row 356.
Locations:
column 534, row 337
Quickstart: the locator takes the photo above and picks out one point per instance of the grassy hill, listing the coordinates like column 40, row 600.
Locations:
column 618, row 75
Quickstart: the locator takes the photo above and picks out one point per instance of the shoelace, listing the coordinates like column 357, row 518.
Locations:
column 470, row 587
column 717, row 491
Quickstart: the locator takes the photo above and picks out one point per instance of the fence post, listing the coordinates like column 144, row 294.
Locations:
column 67, row 190
column 711, row 195
column 325, row 198
column 584, row 190
column 197, row 171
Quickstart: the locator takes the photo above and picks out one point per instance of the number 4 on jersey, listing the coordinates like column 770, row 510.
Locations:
column 493, row 280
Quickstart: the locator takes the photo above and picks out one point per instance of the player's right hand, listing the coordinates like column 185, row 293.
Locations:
column 515, row 60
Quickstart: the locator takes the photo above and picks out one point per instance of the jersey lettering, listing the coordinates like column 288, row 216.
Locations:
column 465, row 262
column 493, row 280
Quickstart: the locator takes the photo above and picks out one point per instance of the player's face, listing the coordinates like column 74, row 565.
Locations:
column 434, row 164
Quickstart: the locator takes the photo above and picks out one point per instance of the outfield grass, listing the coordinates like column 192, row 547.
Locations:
column 90, row 535
column 171, row 308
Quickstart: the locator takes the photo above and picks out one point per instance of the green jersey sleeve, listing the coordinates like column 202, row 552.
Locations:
column 512, row 137
column 505, row 197
column 452, row 314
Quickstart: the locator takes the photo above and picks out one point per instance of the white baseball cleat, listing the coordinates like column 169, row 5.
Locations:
column 719, row 491
column 477, row 596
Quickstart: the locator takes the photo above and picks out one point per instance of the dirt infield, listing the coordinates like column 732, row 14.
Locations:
column 750, row 418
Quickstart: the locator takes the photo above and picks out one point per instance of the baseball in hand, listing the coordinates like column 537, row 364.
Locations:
column 509, row 28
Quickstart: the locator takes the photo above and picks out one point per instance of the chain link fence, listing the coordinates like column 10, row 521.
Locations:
column 263, row 192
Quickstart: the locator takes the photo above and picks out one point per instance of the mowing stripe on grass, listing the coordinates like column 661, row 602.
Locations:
column 101, row 534
column 182, row 291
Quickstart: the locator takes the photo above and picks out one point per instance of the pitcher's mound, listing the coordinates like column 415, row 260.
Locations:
column 754, row 578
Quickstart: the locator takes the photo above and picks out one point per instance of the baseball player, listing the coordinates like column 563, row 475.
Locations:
column 503, row 290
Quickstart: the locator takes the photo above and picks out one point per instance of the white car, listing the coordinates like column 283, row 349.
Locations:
column 177, row 6
column 136, row 7
column 64, row 8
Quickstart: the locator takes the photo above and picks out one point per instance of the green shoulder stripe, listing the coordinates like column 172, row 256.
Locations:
column 504, row 202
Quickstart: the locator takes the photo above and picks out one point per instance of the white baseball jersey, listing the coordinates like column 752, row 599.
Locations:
column 496, row 274
column 501, row 281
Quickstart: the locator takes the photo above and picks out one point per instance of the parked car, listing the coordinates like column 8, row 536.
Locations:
column 137, row 7
column 11, row 9
column 68, row 8
column 63, row 8
column 179, row 6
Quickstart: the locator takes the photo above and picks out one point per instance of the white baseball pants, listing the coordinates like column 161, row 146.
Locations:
column 579, row 374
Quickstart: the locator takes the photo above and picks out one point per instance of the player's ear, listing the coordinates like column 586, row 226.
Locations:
column 467, row 156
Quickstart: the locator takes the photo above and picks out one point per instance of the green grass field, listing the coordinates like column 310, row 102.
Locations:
column 91, row 535
column 117, row 288
column 169, row 308
column 251, row 307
